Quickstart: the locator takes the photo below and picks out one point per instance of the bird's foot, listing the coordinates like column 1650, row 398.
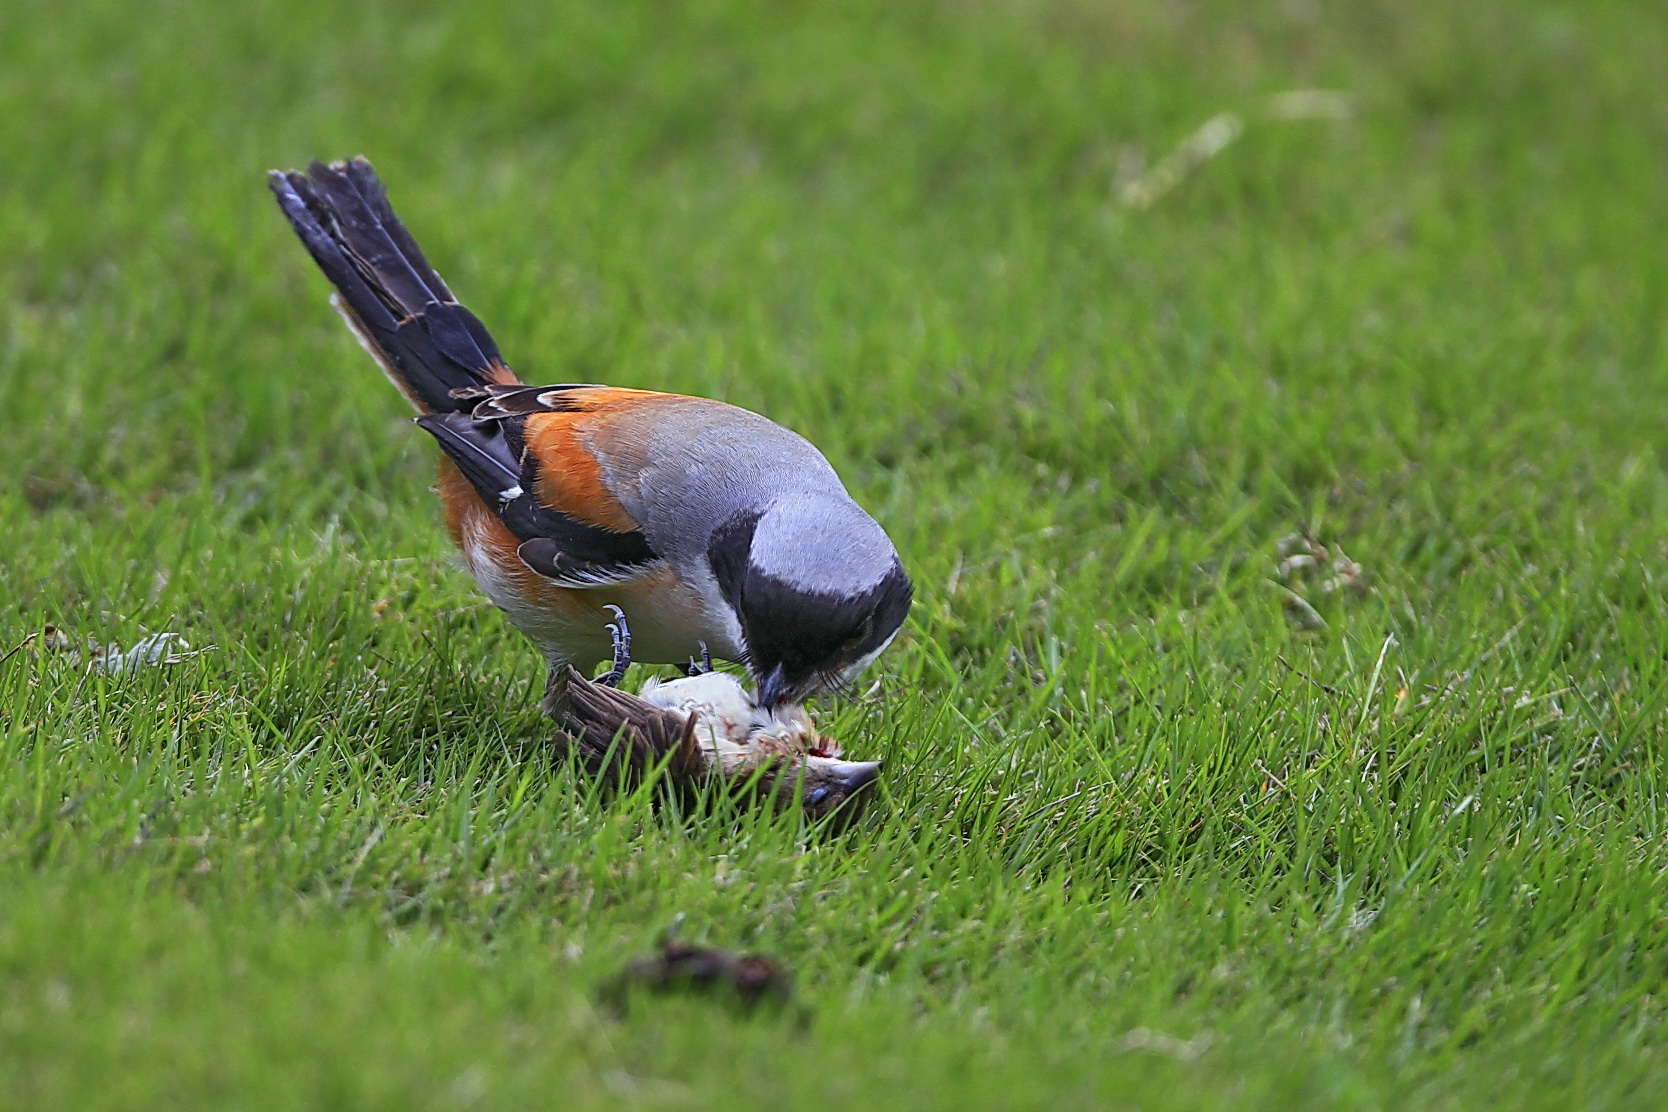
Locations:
column 621, row 633
column 700, row 667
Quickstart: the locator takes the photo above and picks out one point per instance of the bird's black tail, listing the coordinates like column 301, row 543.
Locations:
column 427, row 344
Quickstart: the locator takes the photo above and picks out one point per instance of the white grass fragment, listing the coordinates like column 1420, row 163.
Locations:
column 1204, row 144
column 147, row 652
column 1309, row 104
column 1157, row 1042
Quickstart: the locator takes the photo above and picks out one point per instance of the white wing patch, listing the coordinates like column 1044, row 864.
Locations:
column 581, row 579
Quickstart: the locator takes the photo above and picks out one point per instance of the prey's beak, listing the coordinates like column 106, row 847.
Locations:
column 854, row 774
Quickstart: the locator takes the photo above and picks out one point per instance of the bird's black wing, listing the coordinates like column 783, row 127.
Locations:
column 493, row 457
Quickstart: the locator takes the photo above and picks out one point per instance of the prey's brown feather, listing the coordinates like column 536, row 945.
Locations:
column 619, row 734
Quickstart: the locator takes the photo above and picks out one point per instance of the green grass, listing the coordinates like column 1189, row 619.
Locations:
column 1143, row 843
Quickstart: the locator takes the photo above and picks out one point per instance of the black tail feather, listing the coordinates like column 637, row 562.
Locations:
column 370, row 188
column 389, row 294
column 482, row 452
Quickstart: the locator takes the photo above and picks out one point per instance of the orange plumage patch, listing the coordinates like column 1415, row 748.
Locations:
column 464, row 508
column 500, row 375
column 570, row 479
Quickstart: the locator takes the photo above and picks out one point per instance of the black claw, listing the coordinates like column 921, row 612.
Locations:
column 700, row 667
column 621, row 633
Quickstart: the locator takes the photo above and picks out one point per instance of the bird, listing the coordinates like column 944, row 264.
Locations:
column 716, row 529
column 740, row 739
column 705, row 727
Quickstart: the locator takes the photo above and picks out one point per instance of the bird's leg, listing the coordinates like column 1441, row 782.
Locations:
column 700, row 667
column 621, row 632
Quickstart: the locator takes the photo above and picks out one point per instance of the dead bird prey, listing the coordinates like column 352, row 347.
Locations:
column 707, row 725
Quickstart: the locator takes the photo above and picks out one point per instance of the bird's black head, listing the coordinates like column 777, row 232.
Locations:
column 818, row 595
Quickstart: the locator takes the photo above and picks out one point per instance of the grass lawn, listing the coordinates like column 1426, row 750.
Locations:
column 1154, row 832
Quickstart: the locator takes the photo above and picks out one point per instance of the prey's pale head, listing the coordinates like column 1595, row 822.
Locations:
column 817, row 588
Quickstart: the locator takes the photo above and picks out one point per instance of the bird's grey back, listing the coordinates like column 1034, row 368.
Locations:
column 703, row 462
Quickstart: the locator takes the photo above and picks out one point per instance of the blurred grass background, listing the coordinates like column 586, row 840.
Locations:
column 1144, row 841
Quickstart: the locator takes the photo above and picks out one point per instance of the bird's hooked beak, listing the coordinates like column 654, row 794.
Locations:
column 773, row 688
column 854, row 774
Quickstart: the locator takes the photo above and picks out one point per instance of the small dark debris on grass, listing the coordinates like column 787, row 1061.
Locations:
column 748, row 981
column 1326, row 687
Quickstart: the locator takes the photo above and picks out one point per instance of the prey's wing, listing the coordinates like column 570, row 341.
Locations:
column 610, row 728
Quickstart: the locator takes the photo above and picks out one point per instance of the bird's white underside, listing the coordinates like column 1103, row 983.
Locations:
column 668, row 617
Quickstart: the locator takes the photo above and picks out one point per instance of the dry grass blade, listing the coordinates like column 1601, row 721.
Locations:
column 1205, row 143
